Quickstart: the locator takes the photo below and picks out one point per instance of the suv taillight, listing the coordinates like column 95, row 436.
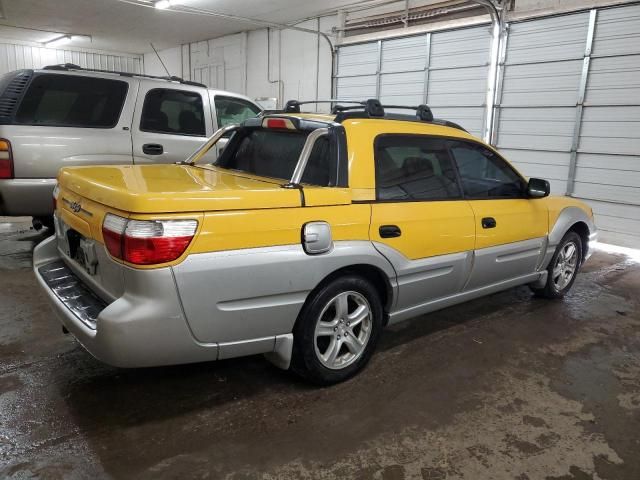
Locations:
column 6, row 159
column 147, row 242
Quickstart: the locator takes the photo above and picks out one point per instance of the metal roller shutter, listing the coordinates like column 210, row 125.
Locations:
column 447, row 70
column 608, row 155
column 537, row 108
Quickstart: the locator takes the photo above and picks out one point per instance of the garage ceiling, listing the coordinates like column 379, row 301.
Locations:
column 126, row 27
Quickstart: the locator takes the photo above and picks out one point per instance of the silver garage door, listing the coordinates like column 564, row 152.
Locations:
column 569, row 111
column 608, row 159
column 447, row 70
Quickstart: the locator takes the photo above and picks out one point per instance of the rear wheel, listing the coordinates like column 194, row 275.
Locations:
column 337, row 331
column 563, row 268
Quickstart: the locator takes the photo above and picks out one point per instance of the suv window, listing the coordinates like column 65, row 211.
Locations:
column 176, row 112
column 484, row 174
column 273, row 153
column 72, row 101
column 412, row 167
column 233, row 110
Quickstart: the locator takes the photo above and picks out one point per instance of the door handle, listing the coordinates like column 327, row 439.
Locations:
column 390, row 231
column 488, row 222
column 153, row 149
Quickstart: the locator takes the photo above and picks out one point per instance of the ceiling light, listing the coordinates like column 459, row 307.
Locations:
column 58, row 41
column 162, row 4
column 81, row 38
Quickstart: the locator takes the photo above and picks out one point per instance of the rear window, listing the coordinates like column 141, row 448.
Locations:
column 272, row 153
column 72, row 101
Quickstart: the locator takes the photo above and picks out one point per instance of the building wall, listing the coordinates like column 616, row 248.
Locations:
column 17, row 55
column 172, row 59
column 282, row 64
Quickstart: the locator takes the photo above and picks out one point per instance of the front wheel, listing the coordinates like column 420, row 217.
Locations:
column 337, row 330
column 563, row 267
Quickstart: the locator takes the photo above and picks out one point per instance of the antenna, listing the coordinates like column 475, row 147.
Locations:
column 160, row 58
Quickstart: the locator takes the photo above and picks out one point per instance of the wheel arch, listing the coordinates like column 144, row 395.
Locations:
column 369, row 272
column 582, row 229
column 571, row 218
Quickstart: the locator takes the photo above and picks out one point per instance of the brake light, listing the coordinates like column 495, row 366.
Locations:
column 147, row 242
column 6, row 159
column 278, row 123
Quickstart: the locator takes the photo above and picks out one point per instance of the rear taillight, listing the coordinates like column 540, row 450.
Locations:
column 147, row 242
column 6, row 159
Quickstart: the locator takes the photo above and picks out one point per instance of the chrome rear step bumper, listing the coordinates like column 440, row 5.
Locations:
column 68, row 288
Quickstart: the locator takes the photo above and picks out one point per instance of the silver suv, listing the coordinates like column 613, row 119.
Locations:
column 64, row 115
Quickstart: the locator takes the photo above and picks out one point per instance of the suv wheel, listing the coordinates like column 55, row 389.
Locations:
column 563, row 267
column 337, row 330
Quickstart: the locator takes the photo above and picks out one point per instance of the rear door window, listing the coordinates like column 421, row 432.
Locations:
column 176, row 112
column 72, row 101
column 414, row 168
column 234, row 110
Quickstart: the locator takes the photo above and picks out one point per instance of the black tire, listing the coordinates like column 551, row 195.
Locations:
column 552, row 289
column 322, row 305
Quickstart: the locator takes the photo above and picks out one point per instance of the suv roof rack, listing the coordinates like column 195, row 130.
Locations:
column 72, row 66
column 372, row 108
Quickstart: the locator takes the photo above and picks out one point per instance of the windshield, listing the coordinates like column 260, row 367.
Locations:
column 275, row 153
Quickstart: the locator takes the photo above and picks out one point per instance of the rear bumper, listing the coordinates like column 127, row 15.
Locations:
column 144, row 327
column 27, row 196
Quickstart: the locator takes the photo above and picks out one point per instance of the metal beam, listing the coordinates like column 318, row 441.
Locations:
column 586, row 63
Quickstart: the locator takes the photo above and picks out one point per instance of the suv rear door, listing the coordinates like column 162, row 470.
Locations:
column 69, row 119
column 171, row 121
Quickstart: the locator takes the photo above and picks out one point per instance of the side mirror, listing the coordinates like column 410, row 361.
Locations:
column 538, row 188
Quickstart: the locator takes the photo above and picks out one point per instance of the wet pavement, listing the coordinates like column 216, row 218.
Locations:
column 505, row 387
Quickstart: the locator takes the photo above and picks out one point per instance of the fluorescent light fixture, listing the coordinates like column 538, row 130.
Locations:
column 164, row 4
column 81, row 38
column 58, row 41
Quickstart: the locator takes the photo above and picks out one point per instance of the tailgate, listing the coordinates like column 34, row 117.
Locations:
column 78, row 223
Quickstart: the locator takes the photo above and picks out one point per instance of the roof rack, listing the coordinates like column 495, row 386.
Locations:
column 72, row 66
column 372, row 108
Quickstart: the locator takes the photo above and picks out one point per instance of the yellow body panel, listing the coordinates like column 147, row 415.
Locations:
column 516, row 220
column 176, row 188
column 237, row 210
column 556, row 204
column 428, row 228
column 255, row 228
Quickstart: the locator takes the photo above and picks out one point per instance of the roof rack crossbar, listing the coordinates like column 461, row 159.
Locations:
column 71, row 66
column 371, row 108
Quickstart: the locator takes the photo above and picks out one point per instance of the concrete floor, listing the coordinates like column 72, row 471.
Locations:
column 506, row 387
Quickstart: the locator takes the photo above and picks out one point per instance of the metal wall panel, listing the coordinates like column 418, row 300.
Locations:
column 466, row 47
column 402, row 88
column 358, row 59
column 608, row 160
column 548, row 40
column 540, row 89
column 447, row 70
column 404, row 54
column 16, row 56
column 542, row 84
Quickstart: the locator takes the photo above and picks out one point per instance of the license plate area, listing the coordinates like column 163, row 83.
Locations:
column 78, row 248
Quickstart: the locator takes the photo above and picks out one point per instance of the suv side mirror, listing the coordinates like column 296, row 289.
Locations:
column 538, row 188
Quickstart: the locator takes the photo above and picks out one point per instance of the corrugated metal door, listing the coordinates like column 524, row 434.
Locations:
column 15, row 57
column 447, row 70
column 608, row 154
column 537, row 109
column 569, row 111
